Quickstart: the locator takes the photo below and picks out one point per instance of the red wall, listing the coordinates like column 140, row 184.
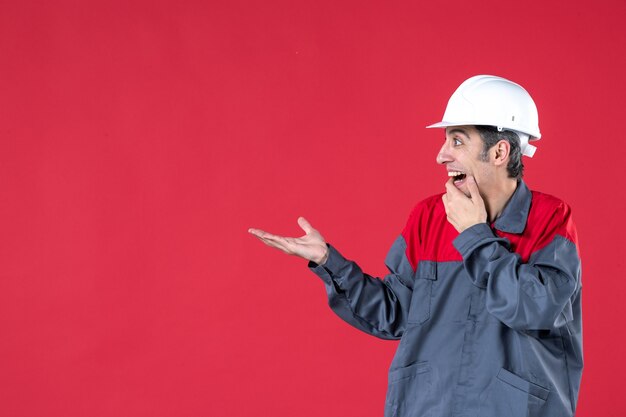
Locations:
column 139, row 140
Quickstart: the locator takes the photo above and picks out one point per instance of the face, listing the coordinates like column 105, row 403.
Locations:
column 461, row 155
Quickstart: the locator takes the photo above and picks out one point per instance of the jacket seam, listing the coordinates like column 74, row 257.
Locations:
column 567, row 370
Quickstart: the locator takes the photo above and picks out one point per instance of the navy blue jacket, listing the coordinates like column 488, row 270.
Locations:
column 489, row 320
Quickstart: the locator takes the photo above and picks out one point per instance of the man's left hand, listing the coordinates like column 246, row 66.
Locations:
column 463, row 211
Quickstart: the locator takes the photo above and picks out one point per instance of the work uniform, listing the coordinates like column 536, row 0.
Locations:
column 489, row 320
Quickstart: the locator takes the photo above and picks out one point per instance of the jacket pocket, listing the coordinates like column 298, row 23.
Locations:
column 510, row 395
column 421, row 299
column 408, row 388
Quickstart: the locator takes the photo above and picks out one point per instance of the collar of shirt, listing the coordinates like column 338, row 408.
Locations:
column 515, row 213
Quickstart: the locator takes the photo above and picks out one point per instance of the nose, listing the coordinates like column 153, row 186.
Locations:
column 444, row 154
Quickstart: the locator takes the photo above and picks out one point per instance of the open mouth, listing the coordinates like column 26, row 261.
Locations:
column 457, row 176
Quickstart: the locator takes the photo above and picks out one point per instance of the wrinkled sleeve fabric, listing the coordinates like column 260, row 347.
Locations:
column 376, row 306
column 532, row 295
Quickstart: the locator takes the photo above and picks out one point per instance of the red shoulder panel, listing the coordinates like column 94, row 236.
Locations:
column 429, row 235
column 548, row 216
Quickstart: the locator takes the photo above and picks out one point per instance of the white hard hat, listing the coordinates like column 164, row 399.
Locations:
column 494, row 101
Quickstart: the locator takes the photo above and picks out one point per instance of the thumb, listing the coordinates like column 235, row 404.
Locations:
column 473, row 188
column 305, row 225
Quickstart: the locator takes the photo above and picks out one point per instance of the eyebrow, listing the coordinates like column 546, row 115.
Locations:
column 461, row 131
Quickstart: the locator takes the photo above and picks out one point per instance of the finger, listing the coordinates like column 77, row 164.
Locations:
column 268, row 242
column 256, row 232
column 451, row 188
column 278, row 239
column 473, row 188
column 449, row 185
column 305, row 225
column 277, row 242
column 264, row 235
column 259, row 233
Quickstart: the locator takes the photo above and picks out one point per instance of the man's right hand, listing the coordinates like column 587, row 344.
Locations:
column 311, row 246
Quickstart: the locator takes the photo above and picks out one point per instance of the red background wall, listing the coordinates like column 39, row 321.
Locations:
column 139, row 140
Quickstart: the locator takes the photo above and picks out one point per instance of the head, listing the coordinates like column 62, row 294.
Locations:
column 487, row 100
column 493, row 159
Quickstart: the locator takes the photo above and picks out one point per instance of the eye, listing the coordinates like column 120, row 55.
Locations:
column 457, row 141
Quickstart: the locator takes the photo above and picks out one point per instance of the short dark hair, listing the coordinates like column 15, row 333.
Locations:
column 490, row 136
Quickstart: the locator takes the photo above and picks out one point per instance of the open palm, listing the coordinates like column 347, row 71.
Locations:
column 311, row 246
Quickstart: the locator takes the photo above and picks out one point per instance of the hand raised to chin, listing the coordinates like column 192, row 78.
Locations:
column 463, row 211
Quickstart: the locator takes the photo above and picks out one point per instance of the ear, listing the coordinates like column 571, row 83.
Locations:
column 501, row 153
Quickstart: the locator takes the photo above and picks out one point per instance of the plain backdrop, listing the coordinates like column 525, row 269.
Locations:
column 139, row 140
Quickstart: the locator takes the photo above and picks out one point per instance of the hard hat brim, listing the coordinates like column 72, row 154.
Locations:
column 449, row 124
column 535, row 136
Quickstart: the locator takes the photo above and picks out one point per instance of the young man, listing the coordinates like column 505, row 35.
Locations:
column 485, row 280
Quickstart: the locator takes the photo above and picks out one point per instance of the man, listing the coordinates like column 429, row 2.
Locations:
column 484, row 285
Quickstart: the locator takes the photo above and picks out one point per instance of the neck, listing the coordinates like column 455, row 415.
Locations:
column 496, row 199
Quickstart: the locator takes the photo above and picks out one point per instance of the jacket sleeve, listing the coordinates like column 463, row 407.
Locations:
column 376, row 306
column 533, row 295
